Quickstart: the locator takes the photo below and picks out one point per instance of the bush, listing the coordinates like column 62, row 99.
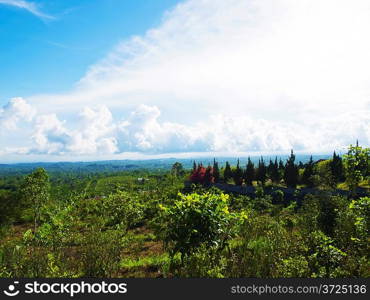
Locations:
column 121, row 209
column 20, row 260
column 320, row 212
column 353, row 226
column 205, row 262
column 293, row 267
column 197, row 219
column 323, row 177
column 262, row 203
column 263, row 242
column 325, row 259
column 278, row 196
column 101, row 253
column 56, row 229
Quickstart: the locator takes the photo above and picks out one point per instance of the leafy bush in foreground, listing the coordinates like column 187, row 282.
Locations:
column 197, row 219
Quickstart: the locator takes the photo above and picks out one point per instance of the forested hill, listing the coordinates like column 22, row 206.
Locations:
column 122, row 165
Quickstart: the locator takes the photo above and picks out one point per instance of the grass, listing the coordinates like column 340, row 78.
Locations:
column 146, row 261
column 150, row 265
column 363, row 184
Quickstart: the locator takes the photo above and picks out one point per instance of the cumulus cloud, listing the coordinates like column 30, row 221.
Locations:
column 50, row 135
column 29, row 6
column 142, row 131
column 93, row 128
column 91, row 136
column 16, row 110
column 223, row 76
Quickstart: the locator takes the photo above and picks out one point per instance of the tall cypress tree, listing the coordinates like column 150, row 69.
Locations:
column 270, row 168
column 291, row 172
column 281, row 165
column 261, row 171
column 228, row 174
column 337, row 170
column 249, row 173
column 194, row 166
column 238, row 174
column 208, row 177
column 308, row 173
column 275, row 176
column 216, row 171
column 281, row 169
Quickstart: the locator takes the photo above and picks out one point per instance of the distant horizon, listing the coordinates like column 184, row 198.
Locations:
column 157, row 158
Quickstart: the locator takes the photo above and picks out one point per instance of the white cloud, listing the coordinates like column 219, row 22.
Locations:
column 257, row 56
column 225, row 76
column 96, row 132
column 29, row 6
column 143, row 132
column 90, row 136
column 16, row 110
column 50, row 135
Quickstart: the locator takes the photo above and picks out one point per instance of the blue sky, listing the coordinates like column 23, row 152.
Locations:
column 44, row 55
column 112, row 79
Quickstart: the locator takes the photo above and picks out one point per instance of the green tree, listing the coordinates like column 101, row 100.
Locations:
column 352, row 228
column 238, row 174
column 36, row 190
column 291, row 172
column 195, row 220
column 208, row 177
column 323, row 176
column 336, row 166
column 194, row 166
column 249, row 173
column 270, row 168
column 228, row 174
column 177, row 169
column 281, row 165
column 216, row 171
column 308, row 173
column 281, row 169
column 275, row 174
column 357, row 166
column 261, row 171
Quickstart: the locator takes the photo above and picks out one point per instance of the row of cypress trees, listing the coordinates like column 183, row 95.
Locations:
column 276, row 171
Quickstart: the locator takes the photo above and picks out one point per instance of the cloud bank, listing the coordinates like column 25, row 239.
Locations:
column 216, row 76
column 97, row 133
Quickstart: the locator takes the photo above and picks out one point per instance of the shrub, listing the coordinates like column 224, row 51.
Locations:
column 325, row 259
column 293, row 267
column 278, row 196
column 319, row 212
column 121, row 209
column 101, row 253
column 197, row 219
column 205, row 262
column 353, row 226
column 263, row 243
column 20, row 260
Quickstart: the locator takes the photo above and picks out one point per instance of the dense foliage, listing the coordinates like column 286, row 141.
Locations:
column 270, row 219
